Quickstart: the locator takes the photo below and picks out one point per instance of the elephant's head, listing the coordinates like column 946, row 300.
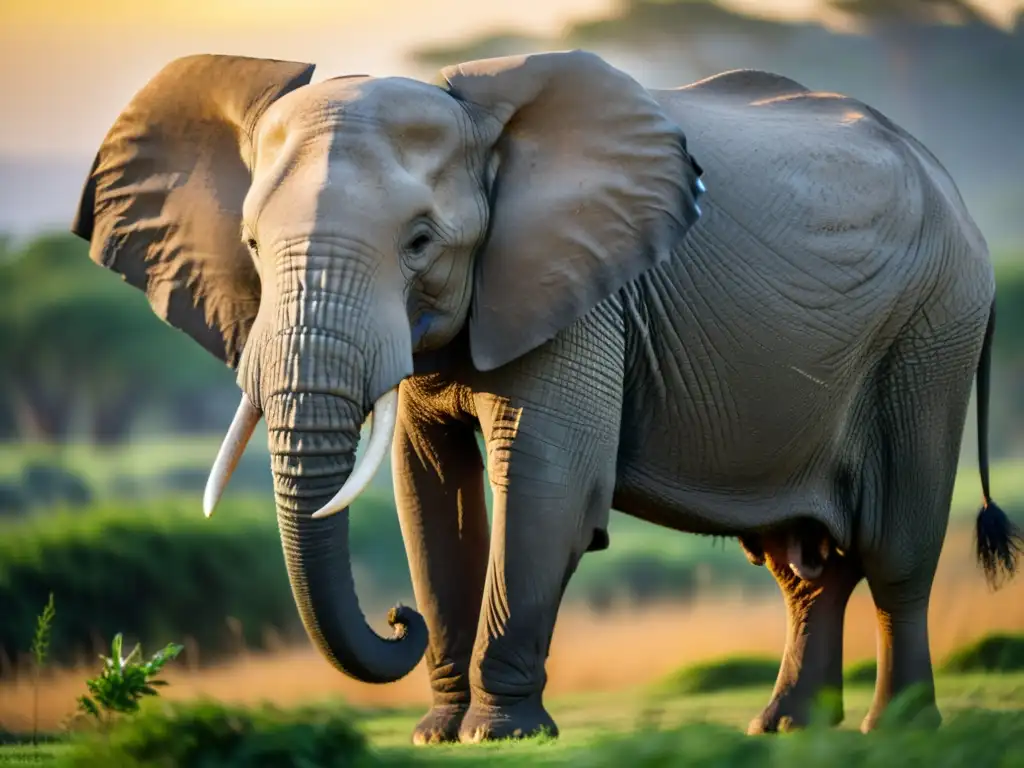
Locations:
column 316, row 236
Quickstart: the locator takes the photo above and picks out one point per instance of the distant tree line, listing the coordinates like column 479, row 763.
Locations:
column 940, row 68
column 83, row 356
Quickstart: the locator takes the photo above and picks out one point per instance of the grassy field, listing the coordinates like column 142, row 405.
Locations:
column 583, row 719
column 984, row 717
column 586, row 656
column 598, row 691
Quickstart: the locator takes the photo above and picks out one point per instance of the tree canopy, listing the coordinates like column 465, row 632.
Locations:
column 83, row 352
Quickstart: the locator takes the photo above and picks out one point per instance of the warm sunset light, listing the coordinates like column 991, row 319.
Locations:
column 618, row 380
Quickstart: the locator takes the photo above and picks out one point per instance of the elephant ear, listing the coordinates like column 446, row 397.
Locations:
column 162, row 205
column 594, row 185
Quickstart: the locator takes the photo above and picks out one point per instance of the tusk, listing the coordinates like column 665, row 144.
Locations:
column 246, row 418
column 382, row 433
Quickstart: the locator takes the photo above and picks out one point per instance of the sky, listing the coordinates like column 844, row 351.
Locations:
column 67, row 67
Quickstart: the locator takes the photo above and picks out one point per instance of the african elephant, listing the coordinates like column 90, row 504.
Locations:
column 520, row 251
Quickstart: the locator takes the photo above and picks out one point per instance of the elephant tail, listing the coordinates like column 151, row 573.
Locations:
column 998, row 541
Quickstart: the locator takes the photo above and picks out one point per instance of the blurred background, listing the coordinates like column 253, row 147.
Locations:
column 109, row 419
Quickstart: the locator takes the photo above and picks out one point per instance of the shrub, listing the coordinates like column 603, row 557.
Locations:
column 159, row 569
column 13, row 501
column 861, row 672
column 124, row 680
column 183, row 480
column 993, row 653
column 209, row 734
column 53, row 485
column 721, row 675
column 646, row 563
column 155, row 571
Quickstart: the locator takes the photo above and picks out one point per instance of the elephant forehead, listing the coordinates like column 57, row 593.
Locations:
column 404, row 111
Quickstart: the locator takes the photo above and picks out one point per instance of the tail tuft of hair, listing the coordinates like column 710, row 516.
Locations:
column 998, row 544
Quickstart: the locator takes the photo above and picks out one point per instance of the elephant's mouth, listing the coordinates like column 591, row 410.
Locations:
column 382, row 430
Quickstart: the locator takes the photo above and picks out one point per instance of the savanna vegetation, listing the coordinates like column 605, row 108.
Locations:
column 159, row 569
column 650, row 725
column 110, row 419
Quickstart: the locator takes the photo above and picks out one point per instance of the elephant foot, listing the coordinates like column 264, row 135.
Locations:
column 790, row 713
column 523, row 720
column 926, row 719
column 440, row 725
column 913, row 709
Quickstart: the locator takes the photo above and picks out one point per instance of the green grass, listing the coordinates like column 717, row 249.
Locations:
column 720, row 675
column 984, row 726
column 584, row 718
column 861, row 672
column 993, row 653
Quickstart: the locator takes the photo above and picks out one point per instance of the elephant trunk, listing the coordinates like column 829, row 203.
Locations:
column 323, row 349
column 312, row 441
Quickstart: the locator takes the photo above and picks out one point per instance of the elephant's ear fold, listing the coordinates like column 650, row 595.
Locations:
column 594, row 186
column 162, row 205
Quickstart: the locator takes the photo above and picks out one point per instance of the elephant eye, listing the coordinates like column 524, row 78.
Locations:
column 418, row 243
column 253, row 246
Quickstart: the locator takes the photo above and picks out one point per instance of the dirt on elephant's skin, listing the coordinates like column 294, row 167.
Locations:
column 590, row 652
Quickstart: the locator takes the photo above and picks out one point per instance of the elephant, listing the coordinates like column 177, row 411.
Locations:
column 736, row 308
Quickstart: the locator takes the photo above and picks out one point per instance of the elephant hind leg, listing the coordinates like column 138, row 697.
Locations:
column 924, row 390
column 812, row 662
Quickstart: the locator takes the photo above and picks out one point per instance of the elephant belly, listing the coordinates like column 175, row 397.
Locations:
column 729, row 432
column 773, row 462
column 729, row 511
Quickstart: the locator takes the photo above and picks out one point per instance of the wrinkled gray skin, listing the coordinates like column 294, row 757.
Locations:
column 516, row 251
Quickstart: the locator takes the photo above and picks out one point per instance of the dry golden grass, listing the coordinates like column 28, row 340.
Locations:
column 589, row 653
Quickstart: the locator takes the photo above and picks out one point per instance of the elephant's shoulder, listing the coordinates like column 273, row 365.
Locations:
column 747, row 84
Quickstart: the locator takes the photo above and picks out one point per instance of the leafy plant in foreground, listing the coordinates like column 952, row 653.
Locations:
column 124, row 680
column 40, row 648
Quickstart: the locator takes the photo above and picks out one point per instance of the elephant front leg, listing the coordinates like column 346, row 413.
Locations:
column 552, row 487
column 812, row 661
column 438, row 477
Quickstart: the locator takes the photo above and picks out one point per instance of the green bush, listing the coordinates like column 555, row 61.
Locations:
column 210, row 734
column 124, row 681
column 54, row 485
column 648, row 563
column 1009, row 338
column 861, row 672
column 159, row 570
column 721, row 675
column 993, row 653
column 13, row 501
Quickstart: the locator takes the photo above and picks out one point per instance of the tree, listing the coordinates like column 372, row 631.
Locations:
column 895, row 24
column 83, row 352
